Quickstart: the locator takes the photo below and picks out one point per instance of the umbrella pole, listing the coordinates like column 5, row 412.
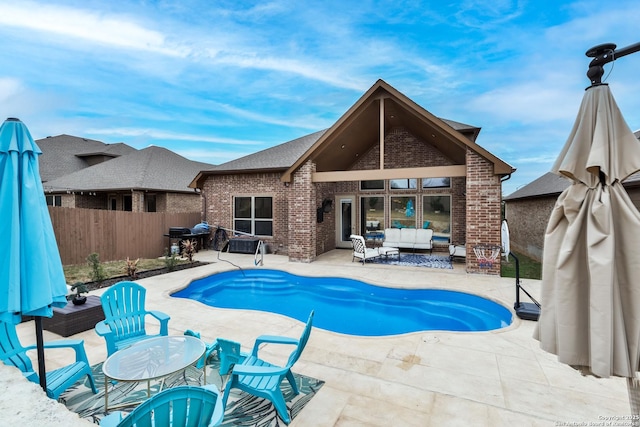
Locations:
column 42, row 373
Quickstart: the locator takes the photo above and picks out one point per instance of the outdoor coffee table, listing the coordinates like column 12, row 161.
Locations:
column 387, row 250
column 151, row 359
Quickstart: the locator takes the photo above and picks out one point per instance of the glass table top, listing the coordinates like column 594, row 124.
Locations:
column 153, row 358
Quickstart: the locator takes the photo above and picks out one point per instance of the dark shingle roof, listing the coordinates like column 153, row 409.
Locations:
column 65, row 154
column 154, row 168
column 547, row 185
column 275, row 158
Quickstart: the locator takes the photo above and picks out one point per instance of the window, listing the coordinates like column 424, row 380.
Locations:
column 372, row 209
column 436, row 182
column 376, row 184
column 151, row 203
column 253, row 215
column 54, row 200
column 436, row 215
column 127, row 203
column 403, row 212
column 404, row 184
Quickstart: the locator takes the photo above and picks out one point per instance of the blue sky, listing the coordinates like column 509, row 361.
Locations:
column 216, row 80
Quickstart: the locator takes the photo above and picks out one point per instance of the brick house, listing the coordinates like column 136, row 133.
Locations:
column 85, row 173
column 387, row 162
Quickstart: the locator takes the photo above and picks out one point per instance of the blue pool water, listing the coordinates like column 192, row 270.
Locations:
column 348, row 306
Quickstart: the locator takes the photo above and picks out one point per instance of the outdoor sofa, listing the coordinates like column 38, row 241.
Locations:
column 408, row 238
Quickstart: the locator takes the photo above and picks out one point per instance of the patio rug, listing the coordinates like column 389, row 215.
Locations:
column 242, row 408
column 416, row 260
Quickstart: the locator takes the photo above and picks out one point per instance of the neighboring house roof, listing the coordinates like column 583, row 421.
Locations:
column 548, row 184
column 551, row 184
column 336, row 148
column 65, row 154
column 153, row 168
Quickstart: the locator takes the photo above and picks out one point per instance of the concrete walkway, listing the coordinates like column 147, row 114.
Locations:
column 432, row 378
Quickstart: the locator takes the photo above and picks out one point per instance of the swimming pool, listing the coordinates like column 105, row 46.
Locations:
column 348, row 306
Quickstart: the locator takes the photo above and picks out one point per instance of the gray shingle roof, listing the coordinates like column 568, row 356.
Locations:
column 279, row 157
column 65, row 154
column 154, row 168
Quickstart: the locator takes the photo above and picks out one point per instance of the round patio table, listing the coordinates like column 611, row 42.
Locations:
column 152, row 359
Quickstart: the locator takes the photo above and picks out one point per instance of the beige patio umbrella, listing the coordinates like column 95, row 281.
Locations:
column 590, row 316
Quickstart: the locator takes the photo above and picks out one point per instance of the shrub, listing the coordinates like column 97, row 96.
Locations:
column 170, row 260
column 188, row 249
column 97, row 272
column 132, row 268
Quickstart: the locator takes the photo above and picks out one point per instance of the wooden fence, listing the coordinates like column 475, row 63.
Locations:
column 114, row 235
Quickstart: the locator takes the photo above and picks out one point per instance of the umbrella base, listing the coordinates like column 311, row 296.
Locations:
column 527, row 311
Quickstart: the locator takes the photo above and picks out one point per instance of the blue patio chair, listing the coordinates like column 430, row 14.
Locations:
column 260, row 378
column 191, row 406
column 125, row 313
column 210, row 348
column 12, row 353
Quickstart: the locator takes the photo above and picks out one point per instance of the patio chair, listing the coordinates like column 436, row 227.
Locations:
column 191, row 406
column 125, row 313
column 261, row 378
column 12, row 353
column 360, row 249
column 457, row 251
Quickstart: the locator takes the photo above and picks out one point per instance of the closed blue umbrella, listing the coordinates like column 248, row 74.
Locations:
column 31, row 276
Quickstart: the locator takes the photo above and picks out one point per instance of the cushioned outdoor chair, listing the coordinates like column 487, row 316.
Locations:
column 191, row 406
column 12, row 353
column 457, row 251
column 125, row 313
column 260, row 378
column 360, row 249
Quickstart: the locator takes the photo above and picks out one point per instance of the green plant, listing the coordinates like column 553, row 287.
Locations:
column 80, row 288
column 188, row 249
column 97, row 271
column 170, row 260
column 132, row 268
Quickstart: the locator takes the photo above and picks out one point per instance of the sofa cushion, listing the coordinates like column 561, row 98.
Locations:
column 423, row 239
column 391, row 237
column 407, row 237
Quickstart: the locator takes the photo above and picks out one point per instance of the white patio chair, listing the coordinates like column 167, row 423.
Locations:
column 360, row 249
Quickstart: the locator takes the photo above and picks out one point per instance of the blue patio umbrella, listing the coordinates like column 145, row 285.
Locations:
column 31, row 276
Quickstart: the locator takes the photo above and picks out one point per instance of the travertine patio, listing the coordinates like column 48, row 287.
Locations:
column 422, row 379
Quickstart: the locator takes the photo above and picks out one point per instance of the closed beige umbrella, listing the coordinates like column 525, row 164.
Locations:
column 590, row 316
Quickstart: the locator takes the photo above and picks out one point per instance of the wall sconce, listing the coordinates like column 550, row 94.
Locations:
column 286, row 184
column 327, row 205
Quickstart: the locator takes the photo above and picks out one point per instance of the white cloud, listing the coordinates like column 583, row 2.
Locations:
column 89, row 26
column 167, row 135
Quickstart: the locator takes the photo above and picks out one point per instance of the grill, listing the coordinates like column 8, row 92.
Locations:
column 178, row 232
column 185, row 233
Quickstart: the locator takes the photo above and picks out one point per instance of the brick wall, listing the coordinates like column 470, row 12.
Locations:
column 484, row 197
column 528, row 221
column 182, row 202
column 302, row 215
column 218, row 192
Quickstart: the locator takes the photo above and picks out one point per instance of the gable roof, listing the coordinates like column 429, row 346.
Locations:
column 353, row 133
column 551, row 184
column 336, row 148
column 153, row 168
column 65, row 154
